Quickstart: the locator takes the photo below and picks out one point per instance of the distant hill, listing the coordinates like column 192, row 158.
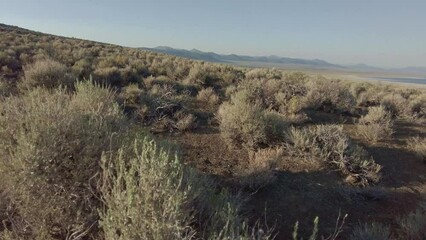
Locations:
column 284, row 62
column 270, row 61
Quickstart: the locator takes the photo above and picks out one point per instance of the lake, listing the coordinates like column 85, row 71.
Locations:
column 401, row 80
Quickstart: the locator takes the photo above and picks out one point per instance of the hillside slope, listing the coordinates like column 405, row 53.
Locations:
column 99, row 141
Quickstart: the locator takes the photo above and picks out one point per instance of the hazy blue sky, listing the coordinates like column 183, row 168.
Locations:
column 379, row 32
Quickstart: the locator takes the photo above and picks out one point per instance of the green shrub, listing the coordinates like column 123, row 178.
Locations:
column 50, row 142
column 329, row 145
column 375, row 231
column 376, row 125
column 47, row 73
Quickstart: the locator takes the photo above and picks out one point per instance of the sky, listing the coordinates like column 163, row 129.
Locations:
column 384, row 33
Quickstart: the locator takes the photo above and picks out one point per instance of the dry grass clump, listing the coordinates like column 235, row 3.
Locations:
column 330, row 146
column 208, row 95
column 414, row 224
column 47, row 73
column 375, row 231
column 418, row 146
column 376, row 125
column 260, row 169
column 50, row 142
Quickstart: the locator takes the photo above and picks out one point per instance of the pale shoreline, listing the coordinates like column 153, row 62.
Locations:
column 370, row 77
column 357, row 78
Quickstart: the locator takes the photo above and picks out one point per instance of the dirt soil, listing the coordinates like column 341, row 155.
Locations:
column 303, row 195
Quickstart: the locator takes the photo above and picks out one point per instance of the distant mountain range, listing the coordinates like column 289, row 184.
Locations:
column 271, row 61
column 276, row 61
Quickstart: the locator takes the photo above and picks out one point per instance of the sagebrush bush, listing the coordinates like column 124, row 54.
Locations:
column 50, row 142
column 201, row 74
column 276, row 126
column 46, row 73
column 418, row 146
column 244, row 119
column 241, row 122
column 131, row 94
column 331, row 146
column 411, row 106
column 377, row 124
column 375, row 231
column 145, row 184
column 149, row 194
column 208, row 95
column 329, row 95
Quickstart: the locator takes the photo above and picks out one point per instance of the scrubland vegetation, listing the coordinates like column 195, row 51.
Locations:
column 105, row 142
